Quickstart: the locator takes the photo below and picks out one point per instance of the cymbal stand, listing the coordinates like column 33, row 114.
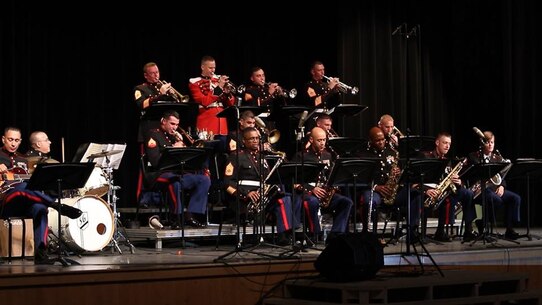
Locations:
column 112, row 200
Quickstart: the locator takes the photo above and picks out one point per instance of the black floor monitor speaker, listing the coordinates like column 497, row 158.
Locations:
column 351, row 257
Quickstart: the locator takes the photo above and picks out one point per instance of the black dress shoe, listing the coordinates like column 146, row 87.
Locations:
column 191, row 222
column 440, row 235
column 70, row 211
column 469, row 236
column 511, row 234
column 41, row 257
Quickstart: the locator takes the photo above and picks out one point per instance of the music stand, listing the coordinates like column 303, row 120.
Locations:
column 528, row 169
column 420, row 171
column 56, row 177
column 483, row 172
column 347, row 147
column 180, row 160
column 414, row 146
column 293, row 172
column 347, row 110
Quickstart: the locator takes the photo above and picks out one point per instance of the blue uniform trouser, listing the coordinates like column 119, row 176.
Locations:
column 446, row 210
column 509, row 200
column 282, row 208
column 20, row 202
column 197, row 184
column 339, row 207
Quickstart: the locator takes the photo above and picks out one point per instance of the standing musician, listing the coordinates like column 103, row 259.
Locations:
column 212, row 93
column 496, row 193
column 386, row 187
column 446, row 209
column 197, row 183
column 149, row 92
column 246, row 169
column 318, row 194
column 19, row 201
column 318, row 92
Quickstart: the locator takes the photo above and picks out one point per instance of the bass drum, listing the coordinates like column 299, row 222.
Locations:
column 92, row 231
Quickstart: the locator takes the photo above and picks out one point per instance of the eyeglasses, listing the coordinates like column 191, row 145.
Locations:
column 253, row 139
column 13, row 140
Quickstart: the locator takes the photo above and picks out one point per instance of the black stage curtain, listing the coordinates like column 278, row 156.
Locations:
column 72, row 75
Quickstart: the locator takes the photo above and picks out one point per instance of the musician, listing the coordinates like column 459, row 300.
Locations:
column 386, row 123
column 18, row 201
column 318, row 92
column 325, row 122
column 386, row 189
column 148, row 93
column 463, row 195
column 213, row 95
column 497, row 195
column 339, row 206
column 246, row 120
column 246, row 168
column 260, row 93
column 196, row 183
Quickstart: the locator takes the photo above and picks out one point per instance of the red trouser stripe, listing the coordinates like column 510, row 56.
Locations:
column 283, row 214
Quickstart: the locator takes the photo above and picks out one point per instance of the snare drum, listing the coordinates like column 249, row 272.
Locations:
column 96, row 184
column 92, row 231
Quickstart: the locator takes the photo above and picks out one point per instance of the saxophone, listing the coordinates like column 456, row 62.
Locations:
column 393, row 181
column 445, row 187
column 326, row 200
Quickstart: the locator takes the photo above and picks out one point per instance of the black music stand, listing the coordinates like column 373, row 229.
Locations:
column 180, row 160
column 347, row 147
column 482, row 173
column 56, row 177
column 414, row 146
column 420, row 171
column 294, row 173
column 354, row 171
column 346, row 110
column 528, row 169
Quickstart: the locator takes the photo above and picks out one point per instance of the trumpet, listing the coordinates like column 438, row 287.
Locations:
column 344, row 87
column 179, row 98
column 194, row 143
column 292, row 93
column 231, row 86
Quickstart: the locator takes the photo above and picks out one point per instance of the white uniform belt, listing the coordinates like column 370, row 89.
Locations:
column 249, row 182
column 212, row 105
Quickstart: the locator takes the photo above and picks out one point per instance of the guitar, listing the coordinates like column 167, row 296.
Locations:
column 12, row 177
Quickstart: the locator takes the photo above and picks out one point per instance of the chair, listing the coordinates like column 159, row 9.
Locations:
column 148, row 186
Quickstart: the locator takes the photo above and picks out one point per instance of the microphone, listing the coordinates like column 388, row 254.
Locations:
column 259, row 122
column 480, row 134
column 397, row 29
column 302, row 119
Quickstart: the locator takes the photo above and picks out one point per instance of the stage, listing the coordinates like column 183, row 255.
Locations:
column 202, row 273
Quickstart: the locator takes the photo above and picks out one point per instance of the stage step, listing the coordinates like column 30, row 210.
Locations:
column 456, row 287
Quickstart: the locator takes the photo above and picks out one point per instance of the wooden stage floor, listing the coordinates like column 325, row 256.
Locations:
column 247, row 273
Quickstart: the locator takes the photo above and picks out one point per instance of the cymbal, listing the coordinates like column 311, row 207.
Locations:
column 104, row 154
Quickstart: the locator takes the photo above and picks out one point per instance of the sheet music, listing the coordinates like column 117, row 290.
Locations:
column 114, row 160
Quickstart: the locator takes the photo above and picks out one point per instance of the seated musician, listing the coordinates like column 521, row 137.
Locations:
column 325, row 122
column 244, row 173
column 246, row 120
column 464, row 195
column 196, row 183
column 18, row 201
column 386, row 189
column 318, row 194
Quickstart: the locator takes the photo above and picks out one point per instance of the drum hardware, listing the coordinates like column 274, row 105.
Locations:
column 112, row 200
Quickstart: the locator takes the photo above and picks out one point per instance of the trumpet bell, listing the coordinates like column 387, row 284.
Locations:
column 274, row 136
column 354, row 90
column 292, row 93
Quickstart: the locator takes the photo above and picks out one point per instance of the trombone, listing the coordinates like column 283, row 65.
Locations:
column 179, row 98
column 344, row 87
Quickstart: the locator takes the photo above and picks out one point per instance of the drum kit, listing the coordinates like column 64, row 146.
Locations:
column 98, row 226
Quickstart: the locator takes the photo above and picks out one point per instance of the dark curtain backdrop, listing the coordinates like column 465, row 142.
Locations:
column 464, row 64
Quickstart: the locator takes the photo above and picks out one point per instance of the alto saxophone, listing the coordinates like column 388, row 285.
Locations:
column 393, row 181
column 445, row 187
column 326, row 200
